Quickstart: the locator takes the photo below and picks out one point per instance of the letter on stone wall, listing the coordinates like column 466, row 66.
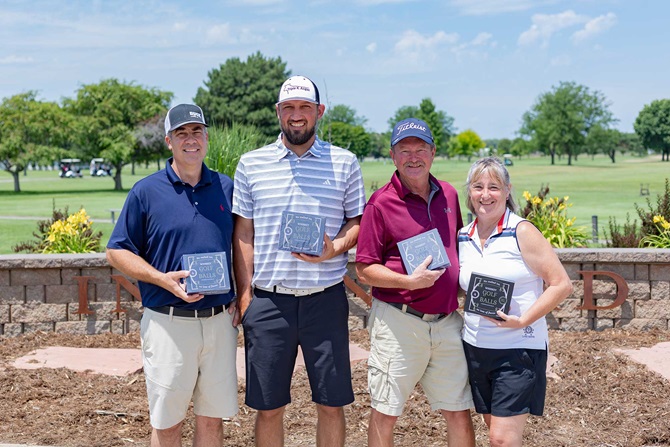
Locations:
column 621, row 295
column 83, row 295
column 121, row 281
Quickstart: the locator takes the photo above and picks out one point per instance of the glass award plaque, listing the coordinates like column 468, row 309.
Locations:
column 487, row 295
column 416, row 249
column 208, row 273
column 302, row 233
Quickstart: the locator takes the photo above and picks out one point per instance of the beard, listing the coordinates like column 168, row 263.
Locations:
column 298, row 137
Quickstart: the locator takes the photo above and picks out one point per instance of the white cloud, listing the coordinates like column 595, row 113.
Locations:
column 412, row 41
column 483, row 7
column 381, row 2
column 261, row 2
column 220, row 34
column 372, row 47
column 561, row 61
column 545, row 25
column 13, row 59
column 481, row 39
column 179, row 26
column 594, row 27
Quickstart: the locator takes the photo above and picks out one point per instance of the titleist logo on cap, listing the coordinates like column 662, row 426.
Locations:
column 404, row 127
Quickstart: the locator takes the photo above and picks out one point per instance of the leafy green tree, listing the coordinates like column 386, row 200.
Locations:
column 353, row 138
column 343, row 114
column 339, row 113
column 466, row 144
column 108, row 115
column 631, row 143
column 403, row 113
column 244, row 92
column 32, row 131
column 150, row 142
column 520, row 147
column 504, row 146
column 560, row 120
column 653, row 126
column 343, row 127
column 380, row 144
column 600, row 139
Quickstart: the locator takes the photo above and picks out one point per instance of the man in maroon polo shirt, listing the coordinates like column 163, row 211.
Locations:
column 415, row 330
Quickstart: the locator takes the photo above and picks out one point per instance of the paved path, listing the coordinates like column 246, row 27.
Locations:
column 122, row 362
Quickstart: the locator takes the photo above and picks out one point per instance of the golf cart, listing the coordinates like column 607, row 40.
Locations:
column 98, row 168
column 69, row 168
column 507, row 160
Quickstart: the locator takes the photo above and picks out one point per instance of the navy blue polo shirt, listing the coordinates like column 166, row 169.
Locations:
column 164, row 218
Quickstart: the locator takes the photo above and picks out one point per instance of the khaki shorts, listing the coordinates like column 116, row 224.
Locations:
column 189, row 359
column 405, row 350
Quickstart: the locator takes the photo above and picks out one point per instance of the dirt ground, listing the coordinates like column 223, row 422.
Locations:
column 602, row 399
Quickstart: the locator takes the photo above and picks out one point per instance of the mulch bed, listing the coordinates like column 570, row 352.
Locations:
column 602, row 399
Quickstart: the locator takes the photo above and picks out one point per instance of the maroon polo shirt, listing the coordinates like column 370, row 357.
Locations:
column 394, row 214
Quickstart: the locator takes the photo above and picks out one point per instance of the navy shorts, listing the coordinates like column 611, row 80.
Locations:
column 507, row 382
column 275, row 325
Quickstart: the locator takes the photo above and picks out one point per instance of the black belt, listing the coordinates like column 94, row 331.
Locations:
column 267, row 293
column 407, row 309
column 193, row 313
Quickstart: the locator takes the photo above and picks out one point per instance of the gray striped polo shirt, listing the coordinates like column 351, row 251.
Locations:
column 325, row 181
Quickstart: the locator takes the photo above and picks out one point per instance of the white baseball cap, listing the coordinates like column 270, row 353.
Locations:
column 298, row 88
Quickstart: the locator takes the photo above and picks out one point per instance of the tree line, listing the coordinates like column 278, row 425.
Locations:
column 123, row 122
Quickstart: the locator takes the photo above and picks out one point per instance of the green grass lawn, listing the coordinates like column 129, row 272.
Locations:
column 595, row 186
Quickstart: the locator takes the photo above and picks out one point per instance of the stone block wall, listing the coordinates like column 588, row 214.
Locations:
column 41, row 293
column 647, row 275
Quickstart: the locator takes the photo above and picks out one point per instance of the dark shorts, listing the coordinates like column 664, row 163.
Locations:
column 507, row 382
column 275, row 325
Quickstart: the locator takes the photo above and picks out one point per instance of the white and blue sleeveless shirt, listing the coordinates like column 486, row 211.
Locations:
column 501, row 258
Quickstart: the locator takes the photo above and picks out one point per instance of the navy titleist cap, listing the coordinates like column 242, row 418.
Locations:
column 411, row 127
column 183, row 114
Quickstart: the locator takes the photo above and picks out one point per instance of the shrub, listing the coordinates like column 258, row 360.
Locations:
column 63, row 233
column 550, row 217
column 227, row 144
column 651, row 232
column 628, row 236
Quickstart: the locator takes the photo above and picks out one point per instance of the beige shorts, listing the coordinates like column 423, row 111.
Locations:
column 189, row 359
column 405, row 350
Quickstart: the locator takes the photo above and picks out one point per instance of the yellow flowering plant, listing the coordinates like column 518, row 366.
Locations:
column 63, row 233
column 660, row 240
column 74, row 234
column 549, row 215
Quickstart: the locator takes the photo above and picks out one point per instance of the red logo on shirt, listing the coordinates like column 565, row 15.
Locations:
column 221, row 207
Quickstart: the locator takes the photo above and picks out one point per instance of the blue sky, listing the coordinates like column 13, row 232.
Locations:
column 484, row 62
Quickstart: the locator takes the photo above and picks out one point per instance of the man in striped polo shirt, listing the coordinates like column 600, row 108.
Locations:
column 288, row 299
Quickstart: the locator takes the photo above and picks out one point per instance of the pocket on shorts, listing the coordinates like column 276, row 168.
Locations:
column 378, row 376
column 525, row 359
column 161, row 365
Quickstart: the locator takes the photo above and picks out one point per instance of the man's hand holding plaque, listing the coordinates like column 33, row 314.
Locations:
column 487, row 295
column 416, row 249
column 208, row 273
column 302, row 233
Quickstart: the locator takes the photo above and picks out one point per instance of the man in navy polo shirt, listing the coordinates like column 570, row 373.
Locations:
column 188, row 340
column 415, row 330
